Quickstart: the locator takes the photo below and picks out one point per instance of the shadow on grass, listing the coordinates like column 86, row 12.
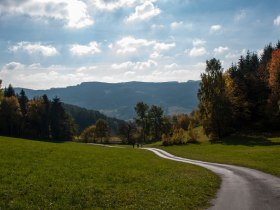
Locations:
column 247, row 140
column 38, row 139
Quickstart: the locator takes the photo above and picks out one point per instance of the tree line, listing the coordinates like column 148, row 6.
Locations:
column 38, row 118
column 85, row 118
column 150, row 125
column 41, row 118
column 244, row 97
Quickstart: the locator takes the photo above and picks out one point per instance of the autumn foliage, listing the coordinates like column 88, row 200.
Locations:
column 274, row 76
column 244, row 97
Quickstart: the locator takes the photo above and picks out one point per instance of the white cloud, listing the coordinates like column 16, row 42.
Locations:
column 130, row 45
column 135, row 65
column 197, row 51
column 144, row 12
column 240, row 15
column 34, row 48
column 81, row 50
column 13, row 66
column 37, row 76
column 155, row 55
column 215, row 28
column 163, row 46
column 171, row 66
column 129, row 73
column 86, row 70
column 276, row 21
column 260, row 52
column 73, row 13
column 244, row 51
column 232, row 56
column 112, row 5
column 175, row 25
column 220, row 50
column 198, row 42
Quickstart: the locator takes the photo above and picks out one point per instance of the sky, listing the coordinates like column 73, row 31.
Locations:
column 59, row 43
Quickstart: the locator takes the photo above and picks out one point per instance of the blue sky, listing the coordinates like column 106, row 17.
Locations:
column 58, row 43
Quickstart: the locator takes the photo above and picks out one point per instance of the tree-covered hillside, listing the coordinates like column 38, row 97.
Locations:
column 84, row 118
column 118, row 100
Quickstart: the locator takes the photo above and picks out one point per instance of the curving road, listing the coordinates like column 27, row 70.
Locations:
column 241, row 189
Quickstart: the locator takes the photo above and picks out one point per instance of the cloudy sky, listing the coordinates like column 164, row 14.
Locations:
column 57, row 43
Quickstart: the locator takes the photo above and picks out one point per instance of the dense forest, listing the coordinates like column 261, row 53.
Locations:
column 37, row 118
column 41, row 118
column 244, row 97
column 85, row 118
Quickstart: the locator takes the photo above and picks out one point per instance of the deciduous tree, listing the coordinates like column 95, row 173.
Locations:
column 10, row 116
column 127, row 130
column 213, row 103
column 88, row 135
column 142, row 119
column 155, row 116
column 102, row 129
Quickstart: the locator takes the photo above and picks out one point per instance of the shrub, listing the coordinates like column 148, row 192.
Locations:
column 166, row 140
column 178, row 136
column 192, row 134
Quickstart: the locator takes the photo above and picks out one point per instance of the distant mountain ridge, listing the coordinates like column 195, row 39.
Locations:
column 118, row 99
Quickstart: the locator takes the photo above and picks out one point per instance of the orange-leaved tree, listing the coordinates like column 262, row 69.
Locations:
column 274, row 76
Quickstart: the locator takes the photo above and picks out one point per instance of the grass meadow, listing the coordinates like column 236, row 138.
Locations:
column 45, row 175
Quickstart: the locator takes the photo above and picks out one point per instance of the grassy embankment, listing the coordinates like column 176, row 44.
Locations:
column 43, row 175
column 255, row 151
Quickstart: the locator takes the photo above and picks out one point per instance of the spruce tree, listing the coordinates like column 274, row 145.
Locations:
column 9, row 92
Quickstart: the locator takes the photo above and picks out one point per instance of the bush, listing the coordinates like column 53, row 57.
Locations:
column 192, row 134
column 178, row 136
column 166, row 140
column 88, row 135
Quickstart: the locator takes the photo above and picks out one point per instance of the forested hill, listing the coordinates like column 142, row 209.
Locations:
column 85, row 118
column 118, row 100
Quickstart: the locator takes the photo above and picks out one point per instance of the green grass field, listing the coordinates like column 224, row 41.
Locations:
column 43, row 175
column 253, row 151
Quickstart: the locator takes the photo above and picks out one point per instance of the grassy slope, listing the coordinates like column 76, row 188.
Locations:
column 259, row 152
column 42, row 175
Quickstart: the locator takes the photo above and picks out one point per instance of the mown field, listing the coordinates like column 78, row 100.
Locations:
column 254, row 151
column 44, row 175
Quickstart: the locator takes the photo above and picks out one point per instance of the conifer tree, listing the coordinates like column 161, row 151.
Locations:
column 9, row 92
column 23, row 100
column 62, row 124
